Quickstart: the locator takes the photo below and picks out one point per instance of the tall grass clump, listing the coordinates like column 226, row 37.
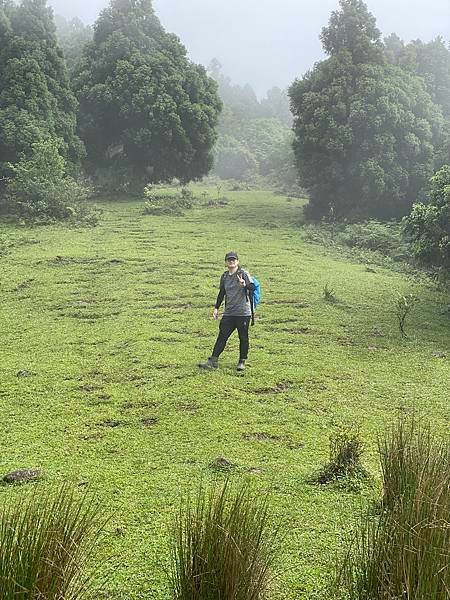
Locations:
column 45, row 542
column 222, row 546
column 404, row 552
column 345, row 459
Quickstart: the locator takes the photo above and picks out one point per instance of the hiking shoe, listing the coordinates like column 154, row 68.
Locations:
column 241, row 365
column 211, row 363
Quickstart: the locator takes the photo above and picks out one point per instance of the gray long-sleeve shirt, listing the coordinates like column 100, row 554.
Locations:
column 237, row 296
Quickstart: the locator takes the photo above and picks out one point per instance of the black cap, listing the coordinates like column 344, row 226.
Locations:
column 231, row 255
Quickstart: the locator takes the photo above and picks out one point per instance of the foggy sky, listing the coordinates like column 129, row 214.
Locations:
column 268, row 43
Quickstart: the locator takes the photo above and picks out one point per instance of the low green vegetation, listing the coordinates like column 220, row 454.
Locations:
column 345, row 463
column 428, row 225
column 41, row 190
column 45, row 541
column 404, row 551
column 101, row 330
column 222, row 546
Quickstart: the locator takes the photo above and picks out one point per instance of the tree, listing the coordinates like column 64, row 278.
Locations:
column 276, row 106
column 255, row 137
column 233, row 159
column 353, row 29
column 240, row 100
column 428, row 225
column 364, row 130
column 431, row 61
column 143, row 105
column 36, row 102
column 393, row 48
column 262, row 136
column 72, row 35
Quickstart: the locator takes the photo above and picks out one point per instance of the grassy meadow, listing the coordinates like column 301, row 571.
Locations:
column 101, row 331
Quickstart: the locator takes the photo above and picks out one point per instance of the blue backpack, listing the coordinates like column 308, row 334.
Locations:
column 255, row 297
column 256, row 294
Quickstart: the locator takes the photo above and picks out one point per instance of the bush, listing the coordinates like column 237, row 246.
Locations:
column 163, row 203
column 329, row 295
column 344, row 466
column 373, row 235
column 45, row 542
column 222, row 547
column 428, row 225
column 405, row 551
column 371, row 240
column 41, row 190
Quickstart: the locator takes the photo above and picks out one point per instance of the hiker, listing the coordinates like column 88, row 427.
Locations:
column 236, row 286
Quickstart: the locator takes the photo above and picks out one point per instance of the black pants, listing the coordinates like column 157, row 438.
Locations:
column 226, row 328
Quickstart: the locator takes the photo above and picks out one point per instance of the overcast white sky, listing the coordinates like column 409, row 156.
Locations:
column 267, row 43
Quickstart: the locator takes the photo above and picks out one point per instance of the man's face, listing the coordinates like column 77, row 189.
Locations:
column 232, row 262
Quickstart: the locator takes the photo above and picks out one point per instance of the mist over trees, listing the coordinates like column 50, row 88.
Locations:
column 72, row 36
column 255, row 137
column 366, row 130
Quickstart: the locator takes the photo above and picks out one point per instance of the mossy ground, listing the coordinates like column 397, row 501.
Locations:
column 110, row 324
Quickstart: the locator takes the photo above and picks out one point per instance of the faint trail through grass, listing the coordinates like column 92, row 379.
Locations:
column 112, row 321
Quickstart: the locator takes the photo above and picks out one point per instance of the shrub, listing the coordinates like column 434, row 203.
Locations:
column 329, row 294
column 222, row 547
column 45, row 542
column 383, row 238
column 373, row 235
column 163, row 203
column 346, row 449
column 405, row 551
column 428, row 225
column 40, row 188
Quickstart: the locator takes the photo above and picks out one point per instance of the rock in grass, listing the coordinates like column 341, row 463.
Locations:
column 25, row 373
column 22, row 476
column 439, row 354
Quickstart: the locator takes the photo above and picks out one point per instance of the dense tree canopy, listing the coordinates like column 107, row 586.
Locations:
column 36, row 102
column 431, row 61
column 429, row 224
column 364, row 129
column 353, row 29
column 143, row 104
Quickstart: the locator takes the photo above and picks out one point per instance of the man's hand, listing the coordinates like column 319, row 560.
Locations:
column 215, row 313
column 241, row 280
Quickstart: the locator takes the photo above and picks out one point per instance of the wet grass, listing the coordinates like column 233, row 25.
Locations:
column 110, row 324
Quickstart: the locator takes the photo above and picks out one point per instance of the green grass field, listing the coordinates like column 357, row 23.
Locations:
column 109, row 324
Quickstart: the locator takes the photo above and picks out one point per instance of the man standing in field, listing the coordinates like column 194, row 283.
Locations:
column 236, row 286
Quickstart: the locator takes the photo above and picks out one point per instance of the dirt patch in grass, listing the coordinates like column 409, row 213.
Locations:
column 345, row 341
column 296, row 330
column 188, row 407
column 149, row 421
column 23, row 285
column 279, row 388
column 138, row 405
column 62, row 261
column 92, row 437
column 261, row 437
column 111, row 423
